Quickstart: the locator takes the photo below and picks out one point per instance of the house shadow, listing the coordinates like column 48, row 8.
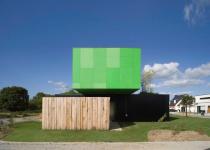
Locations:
column 118, row 125
column 126, row 124
column 172, row 118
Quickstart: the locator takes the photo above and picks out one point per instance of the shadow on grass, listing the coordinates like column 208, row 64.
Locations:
column 173, row 118
column 126, row 124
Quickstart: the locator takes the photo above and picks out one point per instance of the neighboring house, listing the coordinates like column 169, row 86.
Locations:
column 176, row 105
column 202, row 103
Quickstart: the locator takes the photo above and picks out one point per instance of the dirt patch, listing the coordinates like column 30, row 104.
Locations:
column 170, row 135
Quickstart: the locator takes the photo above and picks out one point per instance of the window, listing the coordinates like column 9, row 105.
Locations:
column 204, row 98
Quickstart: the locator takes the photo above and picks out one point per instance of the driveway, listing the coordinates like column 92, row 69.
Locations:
column 195, row 145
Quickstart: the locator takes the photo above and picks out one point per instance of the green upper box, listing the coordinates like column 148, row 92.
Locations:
column 106, row 70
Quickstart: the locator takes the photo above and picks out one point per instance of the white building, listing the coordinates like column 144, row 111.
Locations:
column 176, row 105
column 202, row 103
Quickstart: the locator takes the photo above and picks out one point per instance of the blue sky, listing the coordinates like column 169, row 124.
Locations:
column 36, row 39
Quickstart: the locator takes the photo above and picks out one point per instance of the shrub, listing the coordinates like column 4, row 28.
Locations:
column 36, row 102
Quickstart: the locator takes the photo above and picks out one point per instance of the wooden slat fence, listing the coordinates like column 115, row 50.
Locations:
column 75, row 113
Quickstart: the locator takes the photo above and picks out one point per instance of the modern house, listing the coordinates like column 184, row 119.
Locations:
column 176, row 105
column 106, row 79
column 202, row 103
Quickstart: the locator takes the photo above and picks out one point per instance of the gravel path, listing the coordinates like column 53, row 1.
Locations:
column 21, row 119
column 196, row 145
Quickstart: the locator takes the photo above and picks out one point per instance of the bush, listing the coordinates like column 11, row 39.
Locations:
column 36, row 102
column 14, row 99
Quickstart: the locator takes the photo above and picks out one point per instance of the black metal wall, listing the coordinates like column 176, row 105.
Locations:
column 142, row 107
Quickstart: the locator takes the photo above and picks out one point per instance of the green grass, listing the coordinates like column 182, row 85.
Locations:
column 31, row 131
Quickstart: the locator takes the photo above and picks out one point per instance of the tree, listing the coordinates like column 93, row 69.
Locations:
column 36, row 102
column 187, row 100
column 14, row 98
column 146, row 81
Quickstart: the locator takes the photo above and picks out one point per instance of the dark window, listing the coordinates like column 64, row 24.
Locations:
column 205, row 98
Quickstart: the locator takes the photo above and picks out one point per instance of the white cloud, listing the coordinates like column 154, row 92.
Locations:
column 152, row 85
column 169, row 75
column 188, row 12
column 163, row 70
column 177, row 83
column 137, row 92
column 198, row 72
column 181, row 82
column 196, row 10
column 172, row 94
column 183, row 92
column 59, row 86
column 171, row 70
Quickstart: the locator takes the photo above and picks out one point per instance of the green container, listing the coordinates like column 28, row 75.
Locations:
column 106, row 70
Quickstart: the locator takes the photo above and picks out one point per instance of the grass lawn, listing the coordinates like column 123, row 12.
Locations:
column 31, row 131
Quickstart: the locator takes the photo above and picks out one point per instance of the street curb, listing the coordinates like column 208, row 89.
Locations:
column 13, row 142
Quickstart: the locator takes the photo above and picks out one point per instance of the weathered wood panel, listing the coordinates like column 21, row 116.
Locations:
column 75, row 113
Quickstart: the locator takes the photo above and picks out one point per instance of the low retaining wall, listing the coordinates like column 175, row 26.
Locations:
column 76, row 113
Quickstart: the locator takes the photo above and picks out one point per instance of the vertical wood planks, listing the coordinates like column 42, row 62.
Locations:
column 75, row 113
column 73, row 117
column 107, row 111
column 94, row 119
column 68, row 114
column 78, row 113
column 90, row 113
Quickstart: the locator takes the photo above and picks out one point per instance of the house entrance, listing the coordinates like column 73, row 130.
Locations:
column 182, row 109
column 198, row 109
column 208, row 109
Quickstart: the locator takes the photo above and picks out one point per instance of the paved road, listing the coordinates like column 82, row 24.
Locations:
column 195, row 145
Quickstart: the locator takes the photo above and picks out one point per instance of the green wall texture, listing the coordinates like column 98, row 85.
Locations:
column 106, row 70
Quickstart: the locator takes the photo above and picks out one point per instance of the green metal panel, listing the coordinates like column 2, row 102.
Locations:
column 106, row 70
